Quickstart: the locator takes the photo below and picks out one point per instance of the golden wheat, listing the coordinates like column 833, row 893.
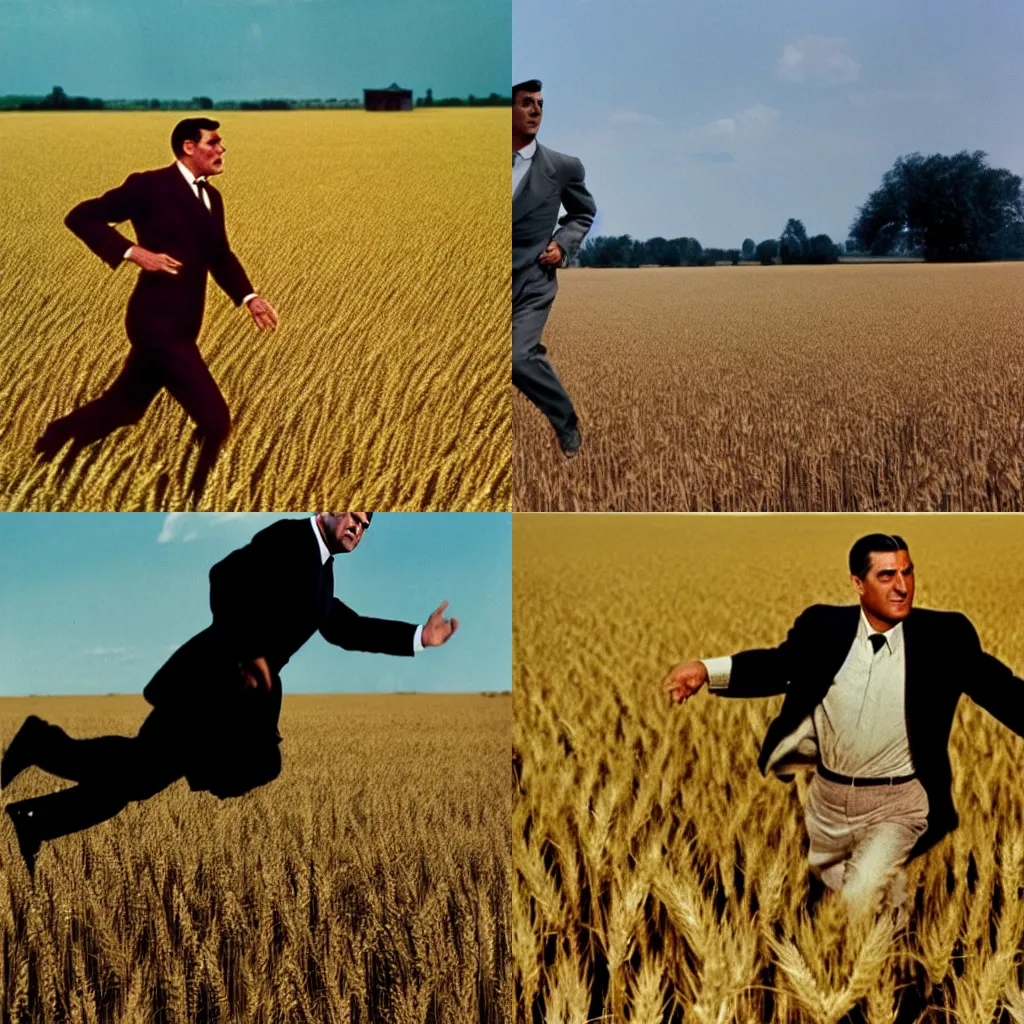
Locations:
column 382, row 240
column 370, row 882
column 656, row 875
column 814, row 389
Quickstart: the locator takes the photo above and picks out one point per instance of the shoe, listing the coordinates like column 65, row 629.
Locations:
column 28, row 841
column 52, row 440
column 570, row 441
column 21, row 752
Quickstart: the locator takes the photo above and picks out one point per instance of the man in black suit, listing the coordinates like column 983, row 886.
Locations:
column 178, row 218
column 216, row 701
column 543, row 181
column 870, row 695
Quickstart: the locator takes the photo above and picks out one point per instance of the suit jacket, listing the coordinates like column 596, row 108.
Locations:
column 268, row 598
column 164, row 309
column 943, row 660
column 553, row 180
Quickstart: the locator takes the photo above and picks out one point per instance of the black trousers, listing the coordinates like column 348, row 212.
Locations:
column 533, row 292
column 226, row 757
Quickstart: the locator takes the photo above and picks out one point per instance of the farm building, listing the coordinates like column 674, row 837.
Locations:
column 392, row 98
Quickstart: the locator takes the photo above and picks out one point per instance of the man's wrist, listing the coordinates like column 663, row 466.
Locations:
column 417, row 640
column 128, row 253
column 249, row 298
column 719, row 671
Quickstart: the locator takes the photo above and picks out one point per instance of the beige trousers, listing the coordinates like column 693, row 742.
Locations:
column 860, row 837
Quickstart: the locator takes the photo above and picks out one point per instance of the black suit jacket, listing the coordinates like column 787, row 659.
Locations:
column 943, row 660
column 268, row 598
column 164, row 309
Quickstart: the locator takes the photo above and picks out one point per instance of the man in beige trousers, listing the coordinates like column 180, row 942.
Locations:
column 871, row 691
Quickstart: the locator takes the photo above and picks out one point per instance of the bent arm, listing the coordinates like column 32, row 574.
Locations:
column 579, row 212
column 228, row 272
column 354, row 632
column 91, row 220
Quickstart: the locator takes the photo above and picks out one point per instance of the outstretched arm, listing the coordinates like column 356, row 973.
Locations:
column 990, row 683
column 354, row 632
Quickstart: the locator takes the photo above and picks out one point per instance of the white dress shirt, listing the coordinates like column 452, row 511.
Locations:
column 522, row 161
column 205, row 197
column 417, row 640
column 860, row 724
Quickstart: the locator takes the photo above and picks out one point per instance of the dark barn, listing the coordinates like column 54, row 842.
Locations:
column 391, row 98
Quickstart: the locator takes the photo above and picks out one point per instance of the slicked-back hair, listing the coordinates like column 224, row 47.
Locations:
column 860, row 553
column 190, row 130
column 533, row 85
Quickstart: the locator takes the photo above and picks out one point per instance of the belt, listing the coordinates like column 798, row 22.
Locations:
column 846, row 780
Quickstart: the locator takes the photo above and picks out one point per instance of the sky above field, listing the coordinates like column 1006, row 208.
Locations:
column 95, row 602
column 252, row 49
column 720, row 121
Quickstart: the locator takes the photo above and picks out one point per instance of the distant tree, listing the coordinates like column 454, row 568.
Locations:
column 202, row 102
column 748, row 248
column 793, row 245
column 154, row 104
column 949, row 207
column 766, row 251
column 733, row 256
column 429, row 99
column 821, row 249
column 851, row 245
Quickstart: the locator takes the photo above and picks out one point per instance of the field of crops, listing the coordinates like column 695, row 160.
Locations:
column 381, row 239
column 656, row 875
column 370, row 882
column 846, row 388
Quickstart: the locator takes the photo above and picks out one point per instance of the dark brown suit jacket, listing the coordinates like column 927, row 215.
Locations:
column 164, row 309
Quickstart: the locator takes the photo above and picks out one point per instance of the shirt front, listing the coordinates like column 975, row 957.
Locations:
column 522, row 161
column 192, row 179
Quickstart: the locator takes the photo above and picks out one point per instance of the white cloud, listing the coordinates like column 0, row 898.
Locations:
column 753, row 123
column 632, row 117
column 818, row 59
column 185, row 526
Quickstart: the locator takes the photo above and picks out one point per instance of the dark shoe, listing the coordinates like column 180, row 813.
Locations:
column 570, row 441
column 56, row 435
column 21, row 752
column 28, row 841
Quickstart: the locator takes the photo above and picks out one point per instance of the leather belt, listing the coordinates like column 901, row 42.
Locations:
column 846, row 780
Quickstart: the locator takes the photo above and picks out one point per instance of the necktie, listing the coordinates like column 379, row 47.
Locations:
column 204, row 196
column 877, row 641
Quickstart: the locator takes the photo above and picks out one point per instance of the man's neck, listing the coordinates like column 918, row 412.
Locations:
column 521, row 141
column 877, row 624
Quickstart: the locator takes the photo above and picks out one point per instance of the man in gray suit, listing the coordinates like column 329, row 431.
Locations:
column 542, row 182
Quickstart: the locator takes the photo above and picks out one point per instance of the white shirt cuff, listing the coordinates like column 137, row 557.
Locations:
column 128, row 252
column 417, row 640
column 251, row 295
column 719, row 671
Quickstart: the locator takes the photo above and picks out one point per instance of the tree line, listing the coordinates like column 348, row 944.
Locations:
column 58, row 99
column 937, row 208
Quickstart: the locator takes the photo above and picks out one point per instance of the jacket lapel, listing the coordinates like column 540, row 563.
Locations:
column 540, row 179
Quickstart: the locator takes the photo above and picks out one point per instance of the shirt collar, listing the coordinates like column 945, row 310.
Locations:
column 189, row 176
column 527, row 152
column 324, row 552
column 893, row 637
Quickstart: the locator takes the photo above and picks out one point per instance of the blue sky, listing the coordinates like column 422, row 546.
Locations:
column 241, row 49
column 95, row 602
column 721, row 120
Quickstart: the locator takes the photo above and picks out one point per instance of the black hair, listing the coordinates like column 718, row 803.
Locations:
column 533, row 85
column 190, row 130
column 369, row 517
column 860, row 553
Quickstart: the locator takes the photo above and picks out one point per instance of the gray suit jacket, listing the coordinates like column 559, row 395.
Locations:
column 553, row 180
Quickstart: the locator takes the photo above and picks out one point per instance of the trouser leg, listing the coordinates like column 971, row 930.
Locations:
column 533, row 292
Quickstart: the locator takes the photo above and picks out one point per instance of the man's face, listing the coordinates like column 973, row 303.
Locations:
column 206, row 156
column 527, row 111
column 887, row 591
column 344, row 530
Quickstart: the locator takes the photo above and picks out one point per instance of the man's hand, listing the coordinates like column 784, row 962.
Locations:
column 438, row 629
column 155, row 261
column 256, row 674
column 685, row 679
column 552, row 255
column 262, row 313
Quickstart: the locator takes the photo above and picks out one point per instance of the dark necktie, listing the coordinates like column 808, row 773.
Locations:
column 877, row 641
column 201, row 184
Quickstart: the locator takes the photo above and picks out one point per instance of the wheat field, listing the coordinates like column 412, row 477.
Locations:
column 381, row 239
column 803, row 389
column 369, row 882
column 657, row 877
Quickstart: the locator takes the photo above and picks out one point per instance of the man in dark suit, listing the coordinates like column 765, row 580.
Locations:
column 178, row 218
column 216, row 701
column 870, row 695
column 543, row 181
